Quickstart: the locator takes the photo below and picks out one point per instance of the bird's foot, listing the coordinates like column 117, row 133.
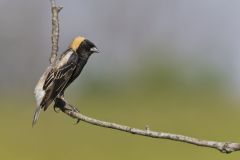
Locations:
column 62, row 105
column 74, row 109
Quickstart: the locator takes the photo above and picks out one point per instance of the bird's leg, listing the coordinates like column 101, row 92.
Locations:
column 56, row 108
column 58, row 104
column 73, row 109
column 63, row 105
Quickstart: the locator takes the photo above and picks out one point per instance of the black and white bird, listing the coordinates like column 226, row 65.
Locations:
column 58, row 77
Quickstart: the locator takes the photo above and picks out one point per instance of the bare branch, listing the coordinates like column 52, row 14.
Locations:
column 224, row 147
column 55, row 31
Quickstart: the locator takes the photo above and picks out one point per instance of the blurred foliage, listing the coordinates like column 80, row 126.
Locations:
column 56, row 136
column 155, row 95
column 159, row 72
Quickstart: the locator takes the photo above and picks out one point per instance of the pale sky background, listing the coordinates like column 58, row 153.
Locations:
column 206, row 31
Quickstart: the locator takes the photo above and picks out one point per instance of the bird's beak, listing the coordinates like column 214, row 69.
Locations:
column 94, row 50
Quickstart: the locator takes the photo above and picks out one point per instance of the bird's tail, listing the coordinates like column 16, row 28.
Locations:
column 36, row 115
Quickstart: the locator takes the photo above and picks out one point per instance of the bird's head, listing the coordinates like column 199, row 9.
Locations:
column 83, row 47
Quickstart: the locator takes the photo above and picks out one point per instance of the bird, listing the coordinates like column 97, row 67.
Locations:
column 60, row 75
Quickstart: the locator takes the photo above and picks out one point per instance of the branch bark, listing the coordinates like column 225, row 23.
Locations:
column 55, row 30
column 224, row 147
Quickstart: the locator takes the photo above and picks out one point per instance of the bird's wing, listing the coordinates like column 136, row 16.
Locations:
column 53, row 81
column 58, row 77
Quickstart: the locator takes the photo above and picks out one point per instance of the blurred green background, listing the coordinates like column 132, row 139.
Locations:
column 172, row 65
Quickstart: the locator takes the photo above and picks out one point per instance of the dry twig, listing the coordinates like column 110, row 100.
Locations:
column 224, row 147
column 55, row 30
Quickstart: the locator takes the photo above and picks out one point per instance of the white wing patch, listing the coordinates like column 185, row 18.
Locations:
column 64, row 59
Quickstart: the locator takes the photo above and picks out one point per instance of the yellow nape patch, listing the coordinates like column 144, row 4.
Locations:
column 76, row 43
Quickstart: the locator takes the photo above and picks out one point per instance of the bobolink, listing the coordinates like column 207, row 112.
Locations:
column 58, row 77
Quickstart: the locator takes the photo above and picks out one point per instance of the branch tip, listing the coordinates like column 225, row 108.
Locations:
column 55, row 30
column 60, row 8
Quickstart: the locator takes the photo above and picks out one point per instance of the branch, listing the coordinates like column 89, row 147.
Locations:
column 224, row 147
column 55, row 31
